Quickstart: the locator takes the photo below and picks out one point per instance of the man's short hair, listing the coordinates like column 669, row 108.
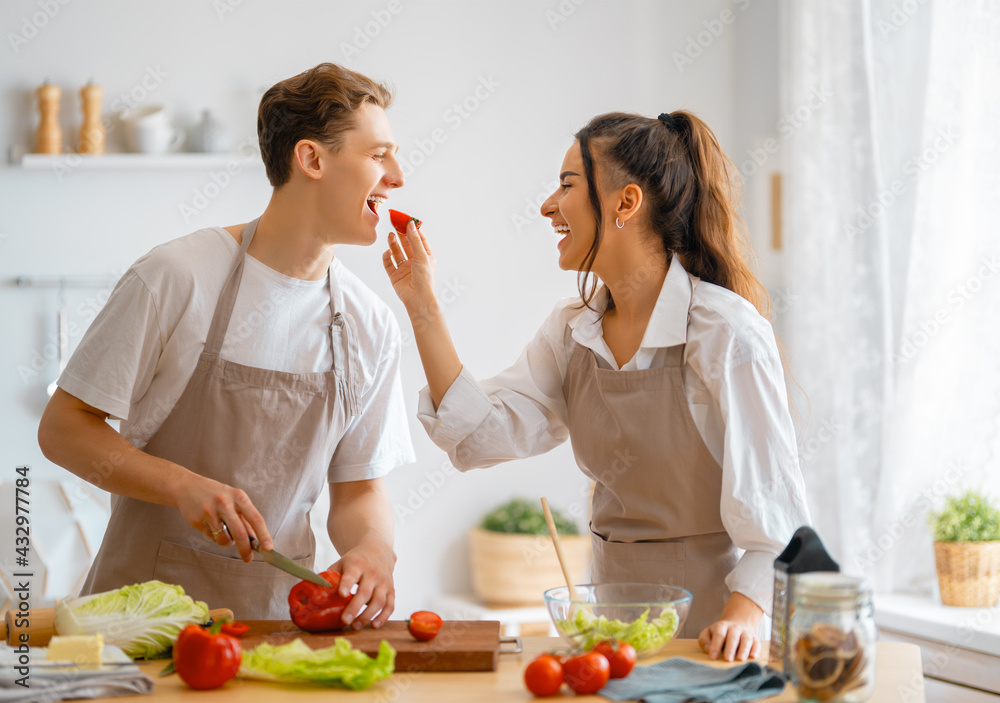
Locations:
column 317, row 104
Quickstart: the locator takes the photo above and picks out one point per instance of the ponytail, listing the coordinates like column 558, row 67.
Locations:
column 692, row 191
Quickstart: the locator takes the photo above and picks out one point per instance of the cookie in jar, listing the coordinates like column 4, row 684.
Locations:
column 832, row 639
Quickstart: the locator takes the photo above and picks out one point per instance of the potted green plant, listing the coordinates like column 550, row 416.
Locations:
column 512, row 558
column 967, row 550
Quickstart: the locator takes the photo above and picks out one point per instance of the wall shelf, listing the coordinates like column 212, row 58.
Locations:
column 133, row 162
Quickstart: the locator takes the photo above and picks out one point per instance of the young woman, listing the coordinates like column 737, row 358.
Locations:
column 666, row 378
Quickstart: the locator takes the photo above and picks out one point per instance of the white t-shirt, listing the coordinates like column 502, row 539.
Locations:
column 137, row 357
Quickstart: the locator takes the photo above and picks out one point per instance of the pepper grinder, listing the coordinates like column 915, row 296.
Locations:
column 48, row 136
column 92, row 129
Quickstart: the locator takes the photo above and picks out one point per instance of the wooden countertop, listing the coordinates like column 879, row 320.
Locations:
column 899, row 678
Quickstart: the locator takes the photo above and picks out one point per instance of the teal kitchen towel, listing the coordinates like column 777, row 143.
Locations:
column 683, row 681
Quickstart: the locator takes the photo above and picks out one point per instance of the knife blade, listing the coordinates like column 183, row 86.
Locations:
column 294, row 568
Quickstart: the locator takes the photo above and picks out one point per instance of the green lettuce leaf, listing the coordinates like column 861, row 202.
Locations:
column 338, row 665
column 587, row 629
column 143, row 619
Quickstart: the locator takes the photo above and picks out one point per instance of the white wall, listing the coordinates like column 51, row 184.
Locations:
column 553, row 64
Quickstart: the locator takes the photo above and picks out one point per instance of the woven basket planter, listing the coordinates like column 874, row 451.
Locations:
column 968, row 573
column 510, row 569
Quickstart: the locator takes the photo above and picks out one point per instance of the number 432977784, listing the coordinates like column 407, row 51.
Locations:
column 22, row 519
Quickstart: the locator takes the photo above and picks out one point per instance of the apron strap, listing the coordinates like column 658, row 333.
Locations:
column 674, row 356
column 345, row 361
column 227, row 299
column 346, row 365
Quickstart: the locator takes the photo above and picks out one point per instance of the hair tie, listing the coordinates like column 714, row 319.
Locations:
column 667, row 119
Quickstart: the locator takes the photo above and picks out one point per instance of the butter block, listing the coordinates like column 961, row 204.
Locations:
column 82, row 650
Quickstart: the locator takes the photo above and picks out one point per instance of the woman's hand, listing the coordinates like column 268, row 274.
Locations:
column 730, row 640
column 734, row 636
column 410, row 264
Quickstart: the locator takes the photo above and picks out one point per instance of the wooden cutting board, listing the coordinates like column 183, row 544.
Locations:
column 461, row 645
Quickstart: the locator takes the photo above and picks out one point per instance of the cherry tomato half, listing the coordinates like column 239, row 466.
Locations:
column 424, row 625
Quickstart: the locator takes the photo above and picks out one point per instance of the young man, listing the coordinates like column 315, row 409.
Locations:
column 249, row 367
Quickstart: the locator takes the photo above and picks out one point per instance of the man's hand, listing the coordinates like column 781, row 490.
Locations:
column 220, row 512
column 734, row 636
column 360, row 526
column 76, row 436
column 369, row 565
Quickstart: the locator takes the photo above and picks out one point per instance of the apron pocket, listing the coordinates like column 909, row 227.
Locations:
column 639, row 562
column 254, row 591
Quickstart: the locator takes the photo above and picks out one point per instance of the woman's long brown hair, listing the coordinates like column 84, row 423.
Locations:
column 691, row 188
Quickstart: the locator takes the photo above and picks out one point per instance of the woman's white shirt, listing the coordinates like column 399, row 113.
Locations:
column 735, row 388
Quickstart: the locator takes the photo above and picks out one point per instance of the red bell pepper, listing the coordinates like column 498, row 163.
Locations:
column 206, row 658
column 315, row 608
column 236, row 629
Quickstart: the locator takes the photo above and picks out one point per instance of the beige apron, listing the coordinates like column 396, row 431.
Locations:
column 271, row 433
column 656, row 515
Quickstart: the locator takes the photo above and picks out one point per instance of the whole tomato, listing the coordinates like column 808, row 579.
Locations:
column 587, row 673
column 544, row 676
column 316, row 608
column 206, row 658
column 620, row 655
column 424, row 625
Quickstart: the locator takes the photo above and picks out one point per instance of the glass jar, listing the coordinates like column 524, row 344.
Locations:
column 832, row 638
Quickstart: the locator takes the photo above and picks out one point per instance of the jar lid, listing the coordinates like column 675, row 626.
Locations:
column 831, row 587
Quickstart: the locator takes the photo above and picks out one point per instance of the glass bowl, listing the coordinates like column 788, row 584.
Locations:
column 646, row 615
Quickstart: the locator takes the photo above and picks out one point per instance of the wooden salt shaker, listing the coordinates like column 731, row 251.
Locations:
column 48, row 136
column 92, row 129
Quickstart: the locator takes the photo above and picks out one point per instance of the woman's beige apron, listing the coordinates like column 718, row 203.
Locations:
column 271, row 433
column 656, row 509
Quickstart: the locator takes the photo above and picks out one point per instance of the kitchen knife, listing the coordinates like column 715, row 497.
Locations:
column 285, row 564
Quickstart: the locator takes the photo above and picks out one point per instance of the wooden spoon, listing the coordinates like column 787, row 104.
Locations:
column 571, row 591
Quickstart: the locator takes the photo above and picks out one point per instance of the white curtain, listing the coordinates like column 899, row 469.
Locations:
column 892, row 221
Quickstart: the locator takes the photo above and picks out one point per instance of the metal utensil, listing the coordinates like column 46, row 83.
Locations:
column 294, row 568
column 63, row 349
